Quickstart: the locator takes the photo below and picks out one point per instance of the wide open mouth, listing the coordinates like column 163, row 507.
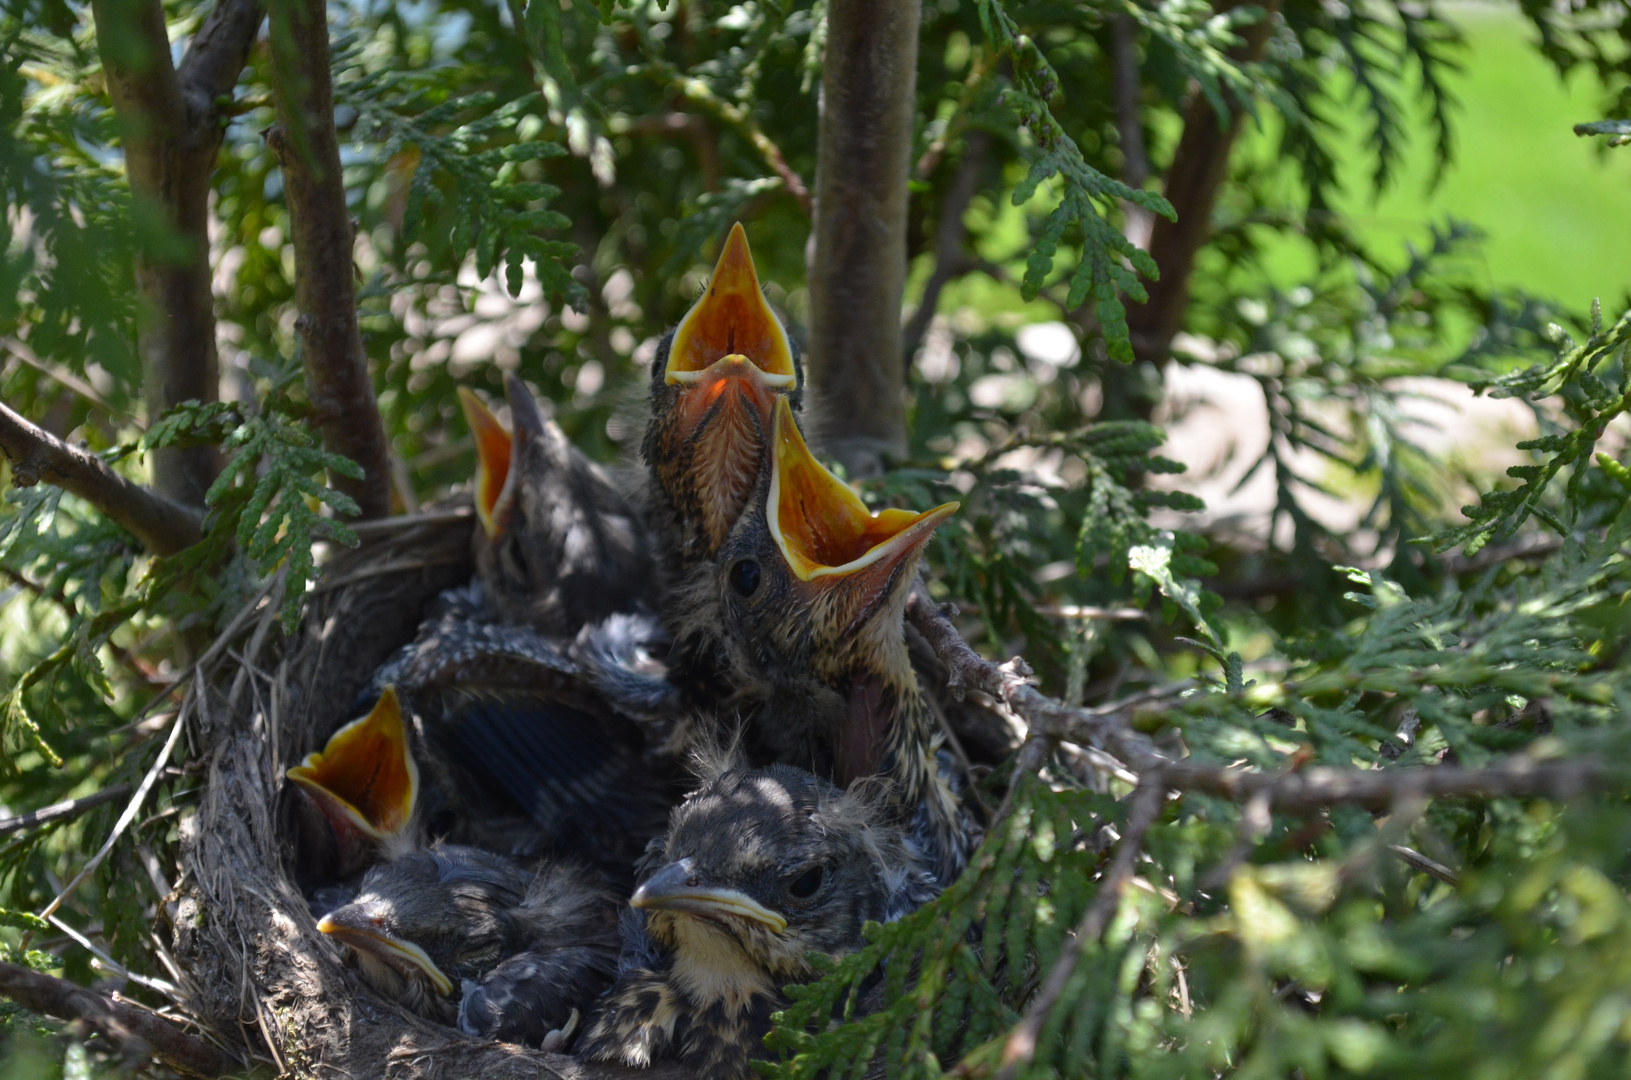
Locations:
column 493, row 454
column 365, row 777
column 821, row 525
column 732, row 321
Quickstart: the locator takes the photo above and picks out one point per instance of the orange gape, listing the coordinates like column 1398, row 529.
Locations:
column 493, row 451
column 731, row 320
column 728, row 361
column 820, row 523
column 365, row 778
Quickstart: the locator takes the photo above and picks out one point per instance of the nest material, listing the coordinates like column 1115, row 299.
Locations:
column 261, row 978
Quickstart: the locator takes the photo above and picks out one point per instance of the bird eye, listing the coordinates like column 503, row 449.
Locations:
column 808, row 883
column 744, row 577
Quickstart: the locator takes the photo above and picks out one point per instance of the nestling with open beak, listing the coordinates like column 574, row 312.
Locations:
column 812, row 586
column 364, row 784
column 464, row 936
column 759, row 868
column 715, row 381
column 559, row 546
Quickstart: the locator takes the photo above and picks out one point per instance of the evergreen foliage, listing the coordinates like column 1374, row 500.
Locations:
column 537, row 187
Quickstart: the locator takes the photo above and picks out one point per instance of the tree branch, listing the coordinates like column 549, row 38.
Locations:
column 172, row 126
column 1193, row 181
column 950, row 234
column 1379, row 789
column 68, row 808
column 336, row 365
column 162, row 525
column 1109, row 728
column 137, row 1031
column 858, row 250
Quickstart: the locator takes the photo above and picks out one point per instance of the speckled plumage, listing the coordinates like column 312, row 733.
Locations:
column 517, row 948
column 827, row 680
column 700, row 987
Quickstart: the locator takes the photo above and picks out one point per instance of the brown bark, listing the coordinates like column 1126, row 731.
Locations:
column 1193, row 182
column 137, row 1032
column 172, row 124
column 858, row 258
column 336, row 365
column 162, row 525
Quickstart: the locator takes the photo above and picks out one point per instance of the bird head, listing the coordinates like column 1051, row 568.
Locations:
column 425, row 922
column 558, row 545
column 715, row 382
column 761, row 867
column 364, row 781
column 813, row 587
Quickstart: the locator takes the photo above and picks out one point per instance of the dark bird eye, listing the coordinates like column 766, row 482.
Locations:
column 744, row 577
column 808, row 883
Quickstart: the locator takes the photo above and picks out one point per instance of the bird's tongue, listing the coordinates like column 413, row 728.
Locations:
column 823, row 528
column 365, row 779
column 731, row 319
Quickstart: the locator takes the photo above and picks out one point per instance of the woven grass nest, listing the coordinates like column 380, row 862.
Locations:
column 260, row 978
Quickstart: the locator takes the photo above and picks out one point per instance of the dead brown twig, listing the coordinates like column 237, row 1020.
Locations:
column 138, row 1032
column 163, row 526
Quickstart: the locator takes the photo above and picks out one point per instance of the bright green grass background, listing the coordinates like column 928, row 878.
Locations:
column 1555, row 207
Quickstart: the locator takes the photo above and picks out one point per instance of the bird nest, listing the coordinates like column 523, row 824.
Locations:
column 259, row 976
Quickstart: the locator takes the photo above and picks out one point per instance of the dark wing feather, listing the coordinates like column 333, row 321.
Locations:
column 563, row 767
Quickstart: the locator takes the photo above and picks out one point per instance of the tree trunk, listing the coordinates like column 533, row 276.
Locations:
column 336, row 365
column 172, row 127
column 858, row 258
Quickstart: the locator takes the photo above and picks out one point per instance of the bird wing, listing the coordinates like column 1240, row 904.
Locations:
column 565, row 768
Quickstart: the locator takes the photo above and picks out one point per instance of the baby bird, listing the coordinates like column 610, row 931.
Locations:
column 758, row 869
column 559, row 546
column 364, row 784
column 461, row 935
column 812, row 587
column 716, row 378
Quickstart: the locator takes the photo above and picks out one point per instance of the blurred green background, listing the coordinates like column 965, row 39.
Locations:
column 1554, row 205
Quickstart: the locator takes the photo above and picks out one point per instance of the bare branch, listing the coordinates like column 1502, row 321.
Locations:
column 138, row 1032
column 1143, row 811
column 162, row 525
column 217, row 54
column 1050, row 721
column 858, row 251
column 337, row 377
column 1380, row 789
column 68, row 808
column 1109, row 728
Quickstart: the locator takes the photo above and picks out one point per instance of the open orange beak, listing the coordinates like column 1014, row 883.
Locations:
column 364, row 780
column 493, row 452
column 826, row 533
column 731, row 325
